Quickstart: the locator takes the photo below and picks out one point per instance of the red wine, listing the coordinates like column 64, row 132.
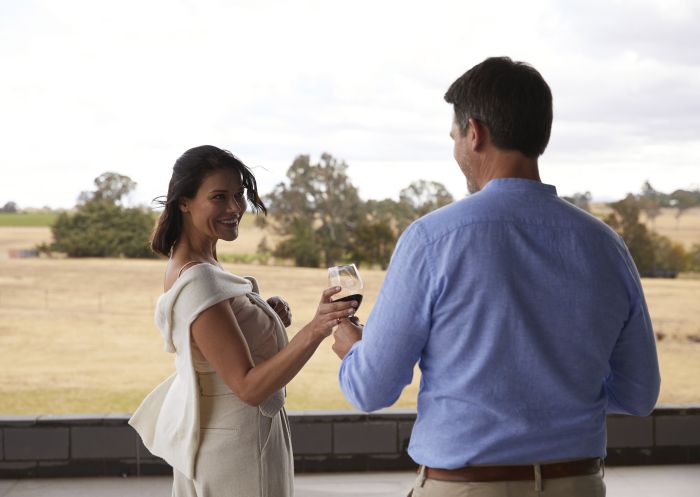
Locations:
column 357, row 297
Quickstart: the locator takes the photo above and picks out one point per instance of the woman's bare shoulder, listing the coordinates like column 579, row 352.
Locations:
column 176, row 269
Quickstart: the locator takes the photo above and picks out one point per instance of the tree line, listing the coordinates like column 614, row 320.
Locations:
column 653, row 254
column 320, row 220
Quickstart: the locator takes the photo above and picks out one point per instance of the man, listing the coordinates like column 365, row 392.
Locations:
column 525, row 313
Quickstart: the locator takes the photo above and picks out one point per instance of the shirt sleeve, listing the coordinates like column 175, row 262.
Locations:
column 378, row 367
column 633, row 382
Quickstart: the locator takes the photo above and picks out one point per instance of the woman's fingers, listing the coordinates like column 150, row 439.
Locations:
column 337, row 307
column 328, row 293
column 330, row 312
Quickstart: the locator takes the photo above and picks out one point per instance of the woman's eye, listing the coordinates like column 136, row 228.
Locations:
column 219, row 196
column 239, row 195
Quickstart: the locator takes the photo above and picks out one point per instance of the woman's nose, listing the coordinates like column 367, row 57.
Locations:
column 237, row 205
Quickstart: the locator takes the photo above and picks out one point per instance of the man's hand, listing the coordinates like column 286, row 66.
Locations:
column 345, row 335
column 282, row 309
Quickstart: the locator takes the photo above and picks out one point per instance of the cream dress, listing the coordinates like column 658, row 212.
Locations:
column 218, row 445
column 242, row 452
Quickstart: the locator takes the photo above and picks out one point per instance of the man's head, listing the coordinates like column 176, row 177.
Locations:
column 511, row 99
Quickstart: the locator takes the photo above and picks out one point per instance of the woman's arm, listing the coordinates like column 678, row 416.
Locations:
column 220, row 339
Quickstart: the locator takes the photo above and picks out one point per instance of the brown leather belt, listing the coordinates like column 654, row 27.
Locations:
column 579, row 467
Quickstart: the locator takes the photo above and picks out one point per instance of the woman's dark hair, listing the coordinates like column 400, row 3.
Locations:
column 511, row 98
column 188, row 173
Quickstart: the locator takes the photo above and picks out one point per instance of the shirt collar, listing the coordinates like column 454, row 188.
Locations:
column 520, row 185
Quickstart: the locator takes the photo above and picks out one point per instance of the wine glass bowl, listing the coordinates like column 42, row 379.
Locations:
column 348, row 278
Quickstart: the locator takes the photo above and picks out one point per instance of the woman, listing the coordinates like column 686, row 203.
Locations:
column 219, row 419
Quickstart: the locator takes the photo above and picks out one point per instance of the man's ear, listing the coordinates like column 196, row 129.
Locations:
column 478, row 134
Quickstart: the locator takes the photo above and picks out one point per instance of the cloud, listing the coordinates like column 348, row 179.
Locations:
column 128, row 88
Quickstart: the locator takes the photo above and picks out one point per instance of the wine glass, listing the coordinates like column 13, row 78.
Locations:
column 348, row 279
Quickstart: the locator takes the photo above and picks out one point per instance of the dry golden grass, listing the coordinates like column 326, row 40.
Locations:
column 22, row 237
column 77, row 335
column 684, row 229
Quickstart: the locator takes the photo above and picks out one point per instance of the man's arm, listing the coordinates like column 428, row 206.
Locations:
column 376, row 368
column 634, row 380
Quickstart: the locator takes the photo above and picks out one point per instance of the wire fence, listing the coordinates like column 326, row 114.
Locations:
column 126, row 301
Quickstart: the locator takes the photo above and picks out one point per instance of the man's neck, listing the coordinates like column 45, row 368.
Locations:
column 508, row 164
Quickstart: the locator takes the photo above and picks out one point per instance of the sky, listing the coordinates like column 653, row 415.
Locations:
column 89, row 86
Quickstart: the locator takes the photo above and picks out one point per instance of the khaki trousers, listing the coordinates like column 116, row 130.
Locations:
column 242, row 453
column 573, row 486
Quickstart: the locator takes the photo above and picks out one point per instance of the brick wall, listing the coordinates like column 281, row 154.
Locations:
column 94, row 445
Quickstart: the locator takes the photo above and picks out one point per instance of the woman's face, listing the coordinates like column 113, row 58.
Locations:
column 216, row 209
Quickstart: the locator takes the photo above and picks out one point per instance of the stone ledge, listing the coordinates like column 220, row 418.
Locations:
column 36, row 443
column 628, row 431
column 104, row 444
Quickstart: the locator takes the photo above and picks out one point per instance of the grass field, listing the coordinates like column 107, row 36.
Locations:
column 27, row 219
column 73, row 340
column 77, row 335
column 684, row 229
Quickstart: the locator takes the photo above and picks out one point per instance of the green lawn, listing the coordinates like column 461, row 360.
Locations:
column 27, row 219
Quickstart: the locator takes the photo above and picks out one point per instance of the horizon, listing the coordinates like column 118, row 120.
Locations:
column 131, row 201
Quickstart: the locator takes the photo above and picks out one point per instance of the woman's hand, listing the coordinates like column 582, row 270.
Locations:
column 281, row 307
column 330, row 313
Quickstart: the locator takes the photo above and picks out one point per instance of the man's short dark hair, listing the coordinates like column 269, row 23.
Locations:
column 511, row 98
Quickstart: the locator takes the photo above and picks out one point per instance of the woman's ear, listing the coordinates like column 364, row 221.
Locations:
column 183, row 204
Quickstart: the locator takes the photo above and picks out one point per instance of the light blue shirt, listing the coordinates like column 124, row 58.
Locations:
column 529, row 324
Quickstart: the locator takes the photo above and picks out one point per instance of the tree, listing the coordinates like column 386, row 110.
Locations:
column 694, row 258
column 316, row 211
column 375, row 237
column 111, row 188
column 683, row 200
column 653, row 254
column 301, row 245
column 9, row 207
column 625, row 220
column 581, row 200
column 669, row 257
column 101, row 227
column 425, row 196
column 383, row 221
column 650, row 202
column 323, row 220
column 416, row 200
